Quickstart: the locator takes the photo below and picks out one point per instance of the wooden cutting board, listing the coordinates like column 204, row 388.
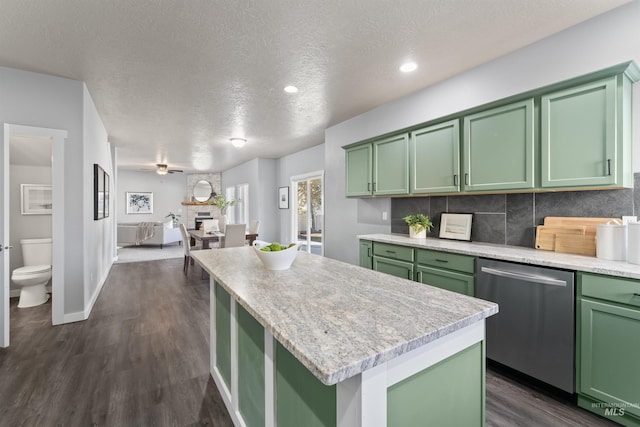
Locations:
column 575, row 244
column 589, row 223
column 546, row 235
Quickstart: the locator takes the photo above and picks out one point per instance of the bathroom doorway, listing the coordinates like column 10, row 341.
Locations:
column 37, row 141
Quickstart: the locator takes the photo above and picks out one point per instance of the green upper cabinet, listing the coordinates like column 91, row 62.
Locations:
column 499, row 148
column 435, row 158
column 391, row 165
column 359, row 163
column 378, row 168
column 583, row 141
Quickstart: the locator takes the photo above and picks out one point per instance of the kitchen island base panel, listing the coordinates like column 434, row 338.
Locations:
column 293, row 396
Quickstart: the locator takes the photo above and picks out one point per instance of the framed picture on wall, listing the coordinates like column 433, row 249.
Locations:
column 139, row 202
column 106, row 195
column 283, row 197
column 35, row 199
column 98, row 192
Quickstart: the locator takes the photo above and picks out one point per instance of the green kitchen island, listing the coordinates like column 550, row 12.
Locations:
column 327, row 343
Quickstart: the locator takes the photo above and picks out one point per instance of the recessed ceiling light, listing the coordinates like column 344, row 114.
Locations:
column 408, row 67
column 238, row 142
column 291, row 89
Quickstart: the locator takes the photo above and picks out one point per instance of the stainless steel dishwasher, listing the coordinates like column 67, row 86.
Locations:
column 534, row 331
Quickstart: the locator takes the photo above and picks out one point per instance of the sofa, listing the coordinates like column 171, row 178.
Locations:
column 163, row 234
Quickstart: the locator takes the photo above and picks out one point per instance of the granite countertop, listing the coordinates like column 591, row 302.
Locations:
column 340, row 319
column 515, row 253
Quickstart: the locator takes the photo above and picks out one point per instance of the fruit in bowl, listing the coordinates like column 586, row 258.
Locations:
column 275, row 256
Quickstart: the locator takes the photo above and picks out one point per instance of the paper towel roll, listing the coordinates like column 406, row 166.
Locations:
column 611, row 241
column 633, row 242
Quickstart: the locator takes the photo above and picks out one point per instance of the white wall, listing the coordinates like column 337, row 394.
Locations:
column 40, row 100
column 300, row 163
column 603, row 41
column 169, row 191
column 26, row 226
column 260, row 174
column 98, row 234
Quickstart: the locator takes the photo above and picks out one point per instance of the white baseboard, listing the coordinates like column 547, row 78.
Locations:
column 79, row 316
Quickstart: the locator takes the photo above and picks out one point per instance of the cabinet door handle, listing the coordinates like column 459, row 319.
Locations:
column 368, row 186
column 441, row 260
column 374, row 186
column 608, row 167
column 455, row 179
column 369, row 252
column 466, row 179
column 419, row 278
column 390, row 252
column 410, row 274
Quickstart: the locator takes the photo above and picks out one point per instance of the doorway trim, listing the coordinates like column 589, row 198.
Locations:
column 58, row 138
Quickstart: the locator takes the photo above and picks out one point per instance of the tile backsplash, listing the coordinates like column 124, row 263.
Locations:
column 510, row 219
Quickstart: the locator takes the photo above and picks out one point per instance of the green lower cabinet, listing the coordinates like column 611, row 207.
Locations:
column 450, row 393
column 366, row 254
column 394, row 267
column 301, row 399
column 449, row 280
column 250, row 369
column 609, row 352
column 223, row 334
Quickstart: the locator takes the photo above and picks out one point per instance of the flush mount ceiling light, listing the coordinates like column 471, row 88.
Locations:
column 291, row 89
column 238, row 142
column 408, row 67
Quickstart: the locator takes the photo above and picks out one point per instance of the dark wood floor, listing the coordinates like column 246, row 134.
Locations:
column 141, row 359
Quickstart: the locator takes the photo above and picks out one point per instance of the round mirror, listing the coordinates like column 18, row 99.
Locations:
column 202, row 191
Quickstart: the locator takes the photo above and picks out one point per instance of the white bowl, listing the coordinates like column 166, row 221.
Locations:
column 280, row 260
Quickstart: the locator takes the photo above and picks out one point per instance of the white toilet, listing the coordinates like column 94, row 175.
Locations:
column 34, row 276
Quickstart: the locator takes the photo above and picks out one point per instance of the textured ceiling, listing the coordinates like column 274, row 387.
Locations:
column 174, row 80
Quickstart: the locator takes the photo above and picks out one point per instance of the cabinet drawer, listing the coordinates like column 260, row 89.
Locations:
column 616, row 289
column 446, row 260
column 393, row 251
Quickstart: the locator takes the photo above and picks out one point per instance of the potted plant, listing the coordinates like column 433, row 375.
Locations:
column 418, row 224
column 220, row 201
column 174, row 218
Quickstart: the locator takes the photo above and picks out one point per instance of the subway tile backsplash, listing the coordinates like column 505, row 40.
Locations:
column 510, row 219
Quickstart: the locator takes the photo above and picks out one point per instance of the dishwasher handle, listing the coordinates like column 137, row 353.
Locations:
column 522, row 276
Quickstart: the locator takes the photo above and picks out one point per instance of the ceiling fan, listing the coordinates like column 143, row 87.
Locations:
column 162, row 169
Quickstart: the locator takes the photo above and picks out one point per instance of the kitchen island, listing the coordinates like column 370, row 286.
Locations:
column 332, row 344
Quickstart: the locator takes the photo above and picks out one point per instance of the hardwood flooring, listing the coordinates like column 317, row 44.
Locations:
column 142, row 359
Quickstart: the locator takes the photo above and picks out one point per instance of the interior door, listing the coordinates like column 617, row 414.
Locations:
column 308, row 220
column 4, row 240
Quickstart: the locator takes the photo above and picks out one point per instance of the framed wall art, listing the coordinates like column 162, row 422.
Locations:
column 36, row 199
column 283, row 197
column 139, row 202
column 98, row 192
column 456, row 226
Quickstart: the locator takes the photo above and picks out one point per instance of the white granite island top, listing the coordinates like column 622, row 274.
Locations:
column 340, row 319
column 514, row 253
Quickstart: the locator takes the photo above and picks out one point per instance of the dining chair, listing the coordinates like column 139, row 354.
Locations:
column 234, row 236
column 210, row 225
column 186, row 244
column 254, row 226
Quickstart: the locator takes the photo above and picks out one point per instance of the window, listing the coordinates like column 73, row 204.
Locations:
column 238, row 214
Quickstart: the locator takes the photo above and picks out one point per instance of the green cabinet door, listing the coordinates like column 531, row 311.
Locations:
column 359, row 170
column 394, row 267
column 579, row 136
column 366, row 254
column 449, row 280
column 435, row 158
column 609, row 352
column 391, row 165
column 498, row 149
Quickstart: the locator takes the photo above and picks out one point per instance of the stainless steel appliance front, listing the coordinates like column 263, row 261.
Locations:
column 534, row 331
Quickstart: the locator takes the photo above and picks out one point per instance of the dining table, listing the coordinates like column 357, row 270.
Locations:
column 214, row 236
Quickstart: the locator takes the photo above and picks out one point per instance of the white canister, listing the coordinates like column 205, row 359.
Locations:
column 633, row 242
column 611, row 241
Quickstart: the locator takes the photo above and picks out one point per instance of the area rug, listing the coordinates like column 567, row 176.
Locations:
column 148, row 253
